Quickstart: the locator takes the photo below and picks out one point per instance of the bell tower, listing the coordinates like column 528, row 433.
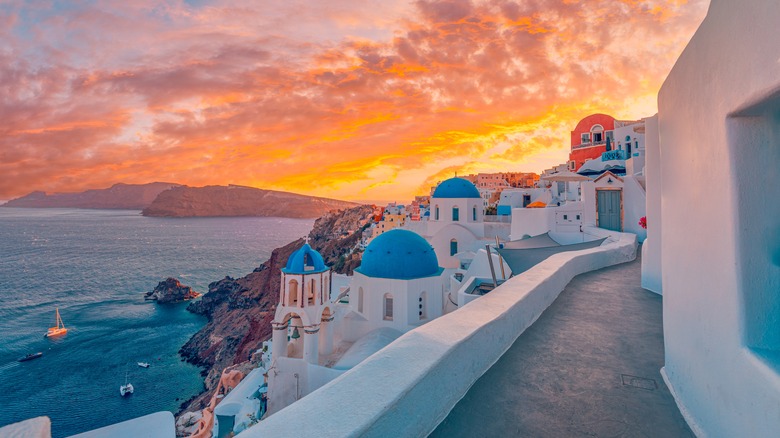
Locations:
column 304, row 307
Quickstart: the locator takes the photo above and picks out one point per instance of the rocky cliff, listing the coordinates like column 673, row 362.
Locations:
column 239, row 201
column 171, row 290
column 118, row 196
column 240, row 311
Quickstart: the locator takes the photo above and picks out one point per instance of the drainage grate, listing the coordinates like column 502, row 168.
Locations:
column 639, row 382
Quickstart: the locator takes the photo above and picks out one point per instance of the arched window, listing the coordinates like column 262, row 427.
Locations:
column 387, row 304
column 453, row 247
column 292, row 296
column 455, row 214
column 360, row 300
column 312, row 287
column 422, row 305
column 436, row 213
column 597, row 133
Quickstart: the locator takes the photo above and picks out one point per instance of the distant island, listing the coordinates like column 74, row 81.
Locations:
column 118, row 196
column 161, row 199
column 239, row 201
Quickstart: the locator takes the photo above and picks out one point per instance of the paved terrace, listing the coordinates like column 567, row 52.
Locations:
column 589, row 366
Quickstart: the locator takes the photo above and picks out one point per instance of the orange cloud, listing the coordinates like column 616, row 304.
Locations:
column 370, row 101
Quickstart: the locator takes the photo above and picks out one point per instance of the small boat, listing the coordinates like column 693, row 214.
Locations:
column 30, row 356
column 143, row 364
column 127, row 388
column 59, row 329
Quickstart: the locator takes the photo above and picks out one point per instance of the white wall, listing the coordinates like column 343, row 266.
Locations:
column 408, row 387
column 531, row 222
column 634, row 207
column 651, row 247
column 720, row 149
column 441, row 243
column 406, row 295
column 291, row 379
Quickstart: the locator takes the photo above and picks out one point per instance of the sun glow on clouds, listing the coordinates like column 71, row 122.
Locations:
column 376, row 100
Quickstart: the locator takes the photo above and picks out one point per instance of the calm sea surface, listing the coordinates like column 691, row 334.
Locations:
column 95, row 266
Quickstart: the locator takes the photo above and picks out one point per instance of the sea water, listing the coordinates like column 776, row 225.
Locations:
column 95, row 266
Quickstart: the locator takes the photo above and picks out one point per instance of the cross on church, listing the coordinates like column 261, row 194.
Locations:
column 306, row 239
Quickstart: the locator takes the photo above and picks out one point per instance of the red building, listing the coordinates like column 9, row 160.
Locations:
column 589, row 139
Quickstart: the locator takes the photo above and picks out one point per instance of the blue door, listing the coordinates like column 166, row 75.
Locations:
column 609, row 209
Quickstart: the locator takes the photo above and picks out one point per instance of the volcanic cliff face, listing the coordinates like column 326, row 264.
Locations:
column 119, row 196
column 239, row 201
column 240, row 310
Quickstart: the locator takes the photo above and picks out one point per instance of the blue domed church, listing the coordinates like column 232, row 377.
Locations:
column 398, row 285
column 317, row 336
column 456, row 224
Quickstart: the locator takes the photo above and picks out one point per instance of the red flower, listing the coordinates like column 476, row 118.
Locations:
column 643, row 222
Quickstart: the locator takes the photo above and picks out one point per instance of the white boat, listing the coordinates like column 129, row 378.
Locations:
column 127, row 388
column 59, row 329
column 143, row 364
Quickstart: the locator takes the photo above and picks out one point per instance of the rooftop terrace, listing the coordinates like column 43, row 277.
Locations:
column 589, row 366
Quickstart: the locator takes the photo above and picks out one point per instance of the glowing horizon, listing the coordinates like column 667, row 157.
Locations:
column 375, row 101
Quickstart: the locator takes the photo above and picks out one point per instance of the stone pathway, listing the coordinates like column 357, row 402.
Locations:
column 589, row 367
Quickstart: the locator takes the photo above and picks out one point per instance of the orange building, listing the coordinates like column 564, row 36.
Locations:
column 589, row 139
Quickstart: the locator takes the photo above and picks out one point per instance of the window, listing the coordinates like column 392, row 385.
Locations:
column 360, row 300
column 388, row 307
column 437, row 213
column 585, row 137
column 292, row 293
column 753, row 135
column 597, row 133
column 312, row 286
column 421, row 305
column 453, row 247
column 474, row 214
column 455, row 214
column 565, row 217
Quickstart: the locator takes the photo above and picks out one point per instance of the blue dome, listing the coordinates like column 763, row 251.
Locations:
column 400, row 255
column 305, row 261
column 456, row 188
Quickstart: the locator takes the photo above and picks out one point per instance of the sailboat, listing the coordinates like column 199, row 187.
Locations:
column 59, row 329
column 127, row 388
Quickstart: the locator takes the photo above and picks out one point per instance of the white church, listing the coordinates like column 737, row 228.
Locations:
column 399, row 286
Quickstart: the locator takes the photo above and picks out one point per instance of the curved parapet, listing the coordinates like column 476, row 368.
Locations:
column 422, row 362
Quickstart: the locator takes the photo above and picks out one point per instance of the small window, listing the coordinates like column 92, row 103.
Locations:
column 578, row 217
column 312, row 287
column 453, row 247
column 360, row 300
column 585, row 137
column 474, row 214
column 455, row 214
column 388, row 307
column 293, row 293
column 437, row 213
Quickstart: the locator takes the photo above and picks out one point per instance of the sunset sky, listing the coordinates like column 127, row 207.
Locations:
column 358, row 100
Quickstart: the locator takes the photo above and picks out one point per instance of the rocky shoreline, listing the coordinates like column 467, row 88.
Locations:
column 240, row 310
column 170, row 291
